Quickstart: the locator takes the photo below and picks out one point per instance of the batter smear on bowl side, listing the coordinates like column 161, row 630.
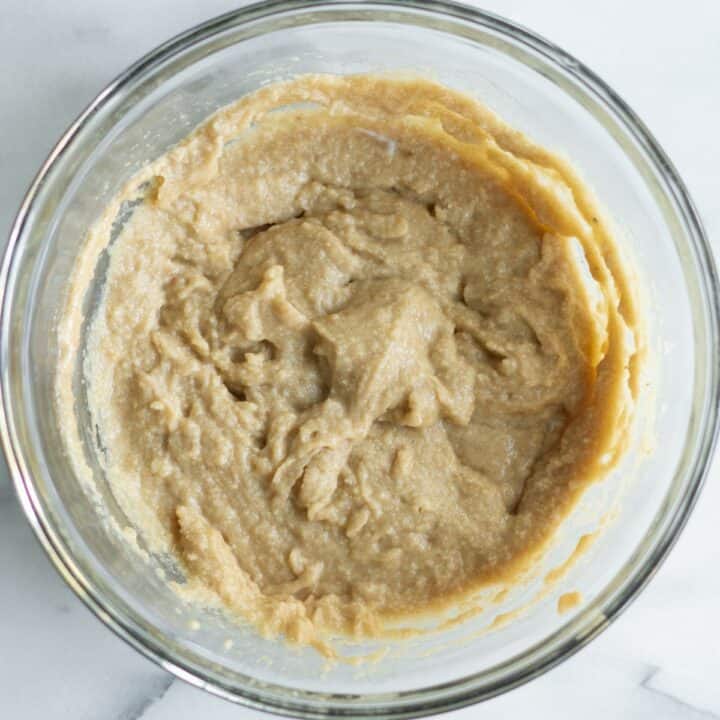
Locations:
column 357, row 357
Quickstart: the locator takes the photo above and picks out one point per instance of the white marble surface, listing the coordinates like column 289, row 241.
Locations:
column 660, row 660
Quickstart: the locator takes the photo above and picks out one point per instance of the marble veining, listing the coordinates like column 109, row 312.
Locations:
column 660, row 659
column 139, row 706
column 655, row 682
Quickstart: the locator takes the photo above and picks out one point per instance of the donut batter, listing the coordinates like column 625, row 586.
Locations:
column 358, row 357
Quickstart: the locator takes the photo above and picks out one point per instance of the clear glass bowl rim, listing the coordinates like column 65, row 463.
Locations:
column 465, row 690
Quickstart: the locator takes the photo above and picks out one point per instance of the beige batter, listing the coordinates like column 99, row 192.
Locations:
column 357, row 357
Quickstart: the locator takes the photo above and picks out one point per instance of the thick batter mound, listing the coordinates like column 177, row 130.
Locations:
column 357, row 357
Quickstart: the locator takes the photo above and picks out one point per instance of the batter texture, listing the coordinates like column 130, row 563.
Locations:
column 357, row 357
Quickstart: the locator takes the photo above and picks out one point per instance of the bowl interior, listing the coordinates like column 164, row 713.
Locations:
column 638, row 506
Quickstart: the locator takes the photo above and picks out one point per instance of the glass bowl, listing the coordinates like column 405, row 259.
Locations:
column 640, row 507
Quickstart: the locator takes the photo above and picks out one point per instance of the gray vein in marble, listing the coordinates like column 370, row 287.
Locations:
column 139, row 706
column 699, row 713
